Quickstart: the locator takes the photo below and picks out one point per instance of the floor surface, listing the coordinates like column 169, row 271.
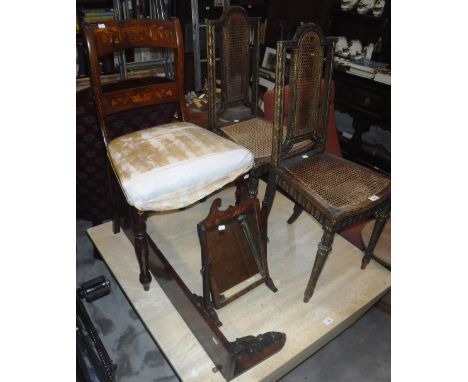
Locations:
column 361, row 353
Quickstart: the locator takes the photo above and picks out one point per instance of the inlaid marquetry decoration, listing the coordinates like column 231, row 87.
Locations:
column 140, row 97
column 112, row 37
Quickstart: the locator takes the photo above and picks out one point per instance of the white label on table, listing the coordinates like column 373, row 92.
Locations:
column 347, row 135
column 373, row 198
column 246, row 176
column 328, row 320
column 221, row 227
column 305, row 156
column 236, row 120
column 101, row 26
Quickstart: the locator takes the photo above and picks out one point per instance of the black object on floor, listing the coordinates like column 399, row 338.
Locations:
column 93, row 363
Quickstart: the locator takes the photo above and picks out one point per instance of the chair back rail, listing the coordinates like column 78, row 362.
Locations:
column 115, row 36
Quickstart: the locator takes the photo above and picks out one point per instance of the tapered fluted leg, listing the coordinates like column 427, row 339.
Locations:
column 296, row 212
column 381, row 218
column 324, row 249
column 141, row 246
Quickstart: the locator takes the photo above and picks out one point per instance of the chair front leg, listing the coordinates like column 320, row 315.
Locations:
column 324, row 249
column 381, row 218
column 141, row 246
column 254, row 178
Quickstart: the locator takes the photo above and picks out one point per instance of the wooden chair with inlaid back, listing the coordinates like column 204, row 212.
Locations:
column 333, row 190
column 163, row 167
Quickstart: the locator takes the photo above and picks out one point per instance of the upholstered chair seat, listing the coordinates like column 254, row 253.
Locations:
column 173, row 165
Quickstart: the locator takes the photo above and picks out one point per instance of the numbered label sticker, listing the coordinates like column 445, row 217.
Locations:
column 373, row 198
column 101, row 26
column 328, row 320
column 221, row 227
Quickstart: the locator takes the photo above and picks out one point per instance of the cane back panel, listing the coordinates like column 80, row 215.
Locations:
column 310, row 62
column 239, row 59
column 235, row 42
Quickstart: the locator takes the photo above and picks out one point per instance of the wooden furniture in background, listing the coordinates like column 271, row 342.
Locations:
column 365, row 100
column 368, row 103
column 335, row 191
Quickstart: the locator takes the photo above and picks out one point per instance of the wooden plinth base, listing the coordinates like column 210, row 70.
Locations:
column 344, row 291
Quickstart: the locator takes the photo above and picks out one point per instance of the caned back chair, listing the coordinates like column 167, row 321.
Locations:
column 239, row 51
column 163, row 167
column 236, row 115
column 333, row 190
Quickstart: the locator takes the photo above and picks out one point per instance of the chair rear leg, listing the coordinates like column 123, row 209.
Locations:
column 269, row 196
column 324, row 249
column 141, row 246
column 381, row 218
column 114, row 194
column 268, row 201
column 296, row 213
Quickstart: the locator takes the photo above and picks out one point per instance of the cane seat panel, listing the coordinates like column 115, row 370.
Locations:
column 256, row 134
column 338, row 185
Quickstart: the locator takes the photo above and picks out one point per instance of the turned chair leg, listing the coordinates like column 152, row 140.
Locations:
column 253, row 184
column 381, row 218
column 296, row 213
column 242, row 190
column 324, row 249
column 141, row 246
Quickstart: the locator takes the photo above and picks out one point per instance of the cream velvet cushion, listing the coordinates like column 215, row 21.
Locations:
column 174, row 165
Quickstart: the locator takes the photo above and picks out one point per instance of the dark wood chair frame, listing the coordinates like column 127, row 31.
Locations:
column 230, row 358
column 249, row 55
column 317, row 132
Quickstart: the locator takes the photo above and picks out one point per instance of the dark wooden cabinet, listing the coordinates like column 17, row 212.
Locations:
column 368, row 103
